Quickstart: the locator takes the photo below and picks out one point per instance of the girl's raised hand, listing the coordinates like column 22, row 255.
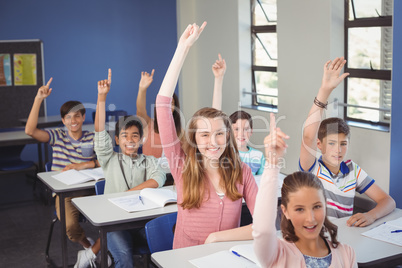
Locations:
column 331, row 77
column 44, row 91
column 104, row 85
column 191, row 34
column 219, row 67
column 275, row 145
column 146, row 79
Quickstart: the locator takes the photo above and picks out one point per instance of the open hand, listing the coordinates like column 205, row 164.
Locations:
column 360, row 220
column 44, row 91
column 331, row 77
column 104, row 85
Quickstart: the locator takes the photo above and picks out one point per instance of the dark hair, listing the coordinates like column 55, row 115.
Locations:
column 176, row 117
column 238, row 115
column 333, row 125
column 126, row 122
column 292, row 183
column 72, row 106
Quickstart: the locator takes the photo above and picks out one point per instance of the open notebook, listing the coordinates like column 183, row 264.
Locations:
column 390, row 231
column 148, row 198
column 239, row 256
column 73, row 176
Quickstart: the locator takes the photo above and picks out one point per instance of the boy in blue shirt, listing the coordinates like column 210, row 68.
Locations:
column 242, row 125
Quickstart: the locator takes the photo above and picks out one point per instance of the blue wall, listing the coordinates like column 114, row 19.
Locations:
column 82, row 39
column 396, row 126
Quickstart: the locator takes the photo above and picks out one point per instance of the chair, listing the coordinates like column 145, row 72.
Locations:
column 160, row 232
column 11, row 162
column 100, row 187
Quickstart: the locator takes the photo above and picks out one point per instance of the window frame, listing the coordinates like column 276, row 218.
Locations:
column 254, row 30
column 375, row 74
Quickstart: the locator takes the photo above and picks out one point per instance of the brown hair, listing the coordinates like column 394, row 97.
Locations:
column 194, row 173
column 238, row 115
column 292, row 183
column 333, row 125
column 176, row 117
column 72, row 106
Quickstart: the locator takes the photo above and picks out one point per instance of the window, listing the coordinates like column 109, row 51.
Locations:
column 368, row 50
column 264, row 47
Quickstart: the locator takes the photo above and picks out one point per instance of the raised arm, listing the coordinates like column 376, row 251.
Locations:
column 330, row 80
column 103, row 90
column 145, row 82
column 218, row 69
column 266, row 243
column 32, row 122
column 187, row 39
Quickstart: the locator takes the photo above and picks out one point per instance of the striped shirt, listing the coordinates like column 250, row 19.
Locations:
column 340, row 189
column 254, row 159
column 67, row 151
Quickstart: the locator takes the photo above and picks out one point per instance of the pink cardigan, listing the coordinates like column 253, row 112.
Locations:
column 274, row 252
column 194, row 225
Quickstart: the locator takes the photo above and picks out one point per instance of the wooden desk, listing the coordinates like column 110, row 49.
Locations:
column 63, row 191
column 369, row 252
column 105, row 215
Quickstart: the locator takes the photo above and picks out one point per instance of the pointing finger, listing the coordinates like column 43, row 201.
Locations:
column 50, row 81
column 109, row 77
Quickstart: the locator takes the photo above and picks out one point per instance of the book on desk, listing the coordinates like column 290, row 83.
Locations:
column 148, row 198
column 390, row 232
column 73, row 176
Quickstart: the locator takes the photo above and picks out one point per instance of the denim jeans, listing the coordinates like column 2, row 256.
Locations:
column 121, row 245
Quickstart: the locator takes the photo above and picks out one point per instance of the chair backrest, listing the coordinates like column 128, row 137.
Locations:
column 160, row 232
column 48, row 166
column 100, row 187
column 112, row 115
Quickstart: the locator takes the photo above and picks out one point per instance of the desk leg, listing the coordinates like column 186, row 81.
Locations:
column 103, row 240
column 62, row 206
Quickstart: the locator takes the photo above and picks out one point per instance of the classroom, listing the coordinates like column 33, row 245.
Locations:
column 82, row 39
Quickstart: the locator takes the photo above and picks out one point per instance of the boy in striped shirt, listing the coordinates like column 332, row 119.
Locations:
column 72, row 149
column 341, row 179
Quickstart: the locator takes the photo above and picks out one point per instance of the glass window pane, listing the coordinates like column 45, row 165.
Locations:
column 266, row 50
column 267, row 83
column 364, row 92
column 264, row 12
column 369, row 8
column 370, row 44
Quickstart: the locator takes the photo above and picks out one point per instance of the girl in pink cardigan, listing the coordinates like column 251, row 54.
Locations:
column 304, row 223
column 210, row 179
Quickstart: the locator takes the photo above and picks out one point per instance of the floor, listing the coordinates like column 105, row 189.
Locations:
column 24, row 226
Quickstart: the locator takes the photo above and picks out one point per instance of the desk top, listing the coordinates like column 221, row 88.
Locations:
column 45, row 121
column 101, row 212
column 58, row 187
column 368, row 250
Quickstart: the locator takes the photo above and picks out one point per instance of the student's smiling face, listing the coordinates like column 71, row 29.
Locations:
column 333, row 148
column 242, row 132
column 211, row 137
column 306, row 210
column 129, row 141
column 73, row 121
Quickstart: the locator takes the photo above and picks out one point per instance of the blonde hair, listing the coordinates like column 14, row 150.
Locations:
column 194, row 173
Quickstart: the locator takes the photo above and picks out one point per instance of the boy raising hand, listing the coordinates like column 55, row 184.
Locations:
column 341, row 179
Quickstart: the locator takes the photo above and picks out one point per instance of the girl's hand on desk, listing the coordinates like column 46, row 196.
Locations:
column 44, row 91
column 211, row 239
column 360, row 220
column 104, row 85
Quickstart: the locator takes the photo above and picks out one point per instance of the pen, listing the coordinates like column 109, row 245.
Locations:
column 396, row 231
column 235, row 253
column 139, row 197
